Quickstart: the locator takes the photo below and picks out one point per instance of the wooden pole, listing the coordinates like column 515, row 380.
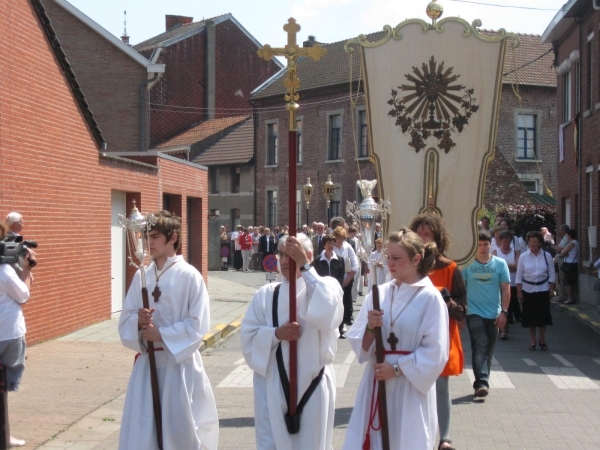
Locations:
column 153, row 377
column 292, row 269
column 380, row 356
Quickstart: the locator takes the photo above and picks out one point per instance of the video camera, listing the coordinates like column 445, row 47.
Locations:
column 13, row 250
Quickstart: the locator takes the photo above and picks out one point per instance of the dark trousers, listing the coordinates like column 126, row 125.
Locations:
column 348, row 306
column 514, row 309
column 238, row 261
column 483, row 333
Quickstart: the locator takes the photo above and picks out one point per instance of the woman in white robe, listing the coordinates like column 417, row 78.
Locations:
column 189, row 412
column 319, row 313
column 377, row 258
column 414, row 313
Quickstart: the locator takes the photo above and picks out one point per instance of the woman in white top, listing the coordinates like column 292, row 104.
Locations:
column 377, row 258
column 570, row 265
column 535, row 286
column 345, row 251
column 511, row 256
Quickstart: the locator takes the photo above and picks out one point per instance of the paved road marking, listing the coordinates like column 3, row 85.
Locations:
column 240, row 377
column 529, row 362
column 239, row 361
column 569, row 378
column 562, row 360
column 499, row 379
column 350, row 358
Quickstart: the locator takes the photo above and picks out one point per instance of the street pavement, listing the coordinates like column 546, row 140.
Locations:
column 73, row 389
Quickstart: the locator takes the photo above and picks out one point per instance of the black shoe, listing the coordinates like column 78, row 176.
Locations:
column 342, row 336
column 481, row 392
column 361, row 294
column 511, row 321
column 349, row 322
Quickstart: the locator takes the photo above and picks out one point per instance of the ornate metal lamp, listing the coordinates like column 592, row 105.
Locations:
column 367, row 214
column 137, row 226
column 328, row 189
column 308, row 192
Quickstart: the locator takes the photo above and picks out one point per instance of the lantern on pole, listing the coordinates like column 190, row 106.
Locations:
column 328, row 190
column 308, row 192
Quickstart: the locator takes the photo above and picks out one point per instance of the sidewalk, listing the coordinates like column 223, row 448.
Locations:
column 73, row 388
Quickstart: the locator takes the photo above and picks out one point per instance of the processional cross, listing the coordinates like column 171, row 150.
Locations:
column 291, row 82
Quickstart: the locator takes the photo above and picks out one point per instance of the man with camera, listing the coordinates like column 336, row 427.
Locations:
column 14, row 291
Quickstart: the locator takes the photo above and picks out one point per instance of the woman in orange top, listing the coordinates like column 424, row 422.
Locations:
column 447, row 278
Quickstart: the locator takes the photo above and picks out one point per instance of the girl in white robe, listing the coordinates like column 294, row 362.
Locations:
column 189, row 412
column 414, row 311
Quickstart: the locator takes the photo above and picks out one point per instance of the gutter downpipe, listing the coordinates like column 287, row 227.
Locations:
column 143, row 86
column 254, row 153
column 579, row 122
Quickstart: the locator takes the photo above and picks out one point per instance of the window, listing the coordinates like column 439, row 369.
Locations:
column 299, row 141
column 590, row 75
column 526, row 136
column 235, row 179
column 334, row 208
column 213, row 176
column 566, row 97
column 335, row 138
column 272, row 208
column 298, row 209
column 567, row 211
column 235, row 218
column 577, row 87
column 531, row 185
column 272, row 130
column 363, row 141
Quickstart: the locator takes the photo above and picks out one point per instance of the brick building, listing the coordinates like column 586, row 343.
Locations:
column 212, row 67
column 575, row 37
column 526, row 138
column 226, row 147
column 333, row 128
column 54, row 171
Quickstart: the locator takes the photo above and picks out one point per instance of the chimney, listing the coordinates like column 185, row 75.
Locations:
column 176, row 21
column 125, row 39
column 311, row 41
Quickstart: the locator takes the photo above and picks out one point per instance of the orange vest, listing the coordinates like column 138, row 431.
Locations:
column 443, row 278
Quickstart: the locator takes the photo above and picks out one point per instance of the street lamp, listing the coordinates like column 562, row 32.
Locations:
column 308, row 192
column 328, row 188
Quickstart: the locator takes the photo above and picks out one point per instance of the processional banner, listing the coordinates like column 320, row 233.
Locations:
column 433, row 96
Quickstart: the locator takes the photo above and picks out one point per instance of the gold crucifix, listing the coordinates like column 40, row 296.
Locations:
column 292, row 52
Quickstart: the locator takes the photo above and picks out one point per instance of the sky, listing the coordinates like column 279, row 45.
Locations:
column 328, row 20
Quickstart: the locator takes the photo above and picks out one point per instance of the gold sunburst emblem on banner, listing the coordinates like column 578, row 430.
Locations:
column 435, row 106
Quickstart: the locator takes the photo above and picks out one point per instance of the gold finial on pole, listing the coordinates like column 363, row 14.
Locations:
column 434, row 12
column 292, row 52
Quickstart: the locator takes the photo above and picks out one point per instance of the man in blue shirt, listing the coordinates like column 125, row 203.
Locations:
column 488, row 295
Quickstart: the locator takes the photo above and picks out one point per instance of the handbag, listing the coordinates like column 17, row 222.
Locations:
column 566, row 267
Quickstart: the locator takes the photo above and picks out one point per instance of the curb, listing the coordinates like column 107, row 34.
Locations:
column 221, row 331
column 581, row 316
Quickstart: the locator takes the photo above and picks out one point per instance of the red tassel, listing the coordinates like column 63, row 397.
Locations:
column 367, row 443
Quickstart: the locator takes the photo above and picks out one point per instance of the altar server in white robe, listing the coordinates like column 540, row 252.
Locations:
column 414, row 321
column 176, row 324
column 319, row 313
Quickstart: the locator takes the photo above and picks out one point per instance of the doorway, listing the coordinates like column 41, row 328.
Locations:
column 117, row 245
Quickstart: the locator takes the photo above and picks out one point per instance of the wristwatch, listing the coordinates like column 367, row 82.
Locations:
column 305, row 267
column 396, row 370
column 505, row 312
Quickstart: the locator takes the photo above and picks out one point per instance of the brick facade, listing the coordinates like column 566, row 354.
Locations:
column 578, row 176
column 111, row 78
column 51, row 171
column 238, row 70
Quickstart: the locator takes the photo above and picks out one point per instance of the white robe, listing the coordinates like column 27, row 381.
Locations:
column 421, row 328
column 319, row 312
column 189, row 412
column 382, row 272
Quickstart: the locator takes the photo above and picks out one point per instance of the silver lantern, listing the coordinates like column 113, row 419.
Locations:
column 137, row 226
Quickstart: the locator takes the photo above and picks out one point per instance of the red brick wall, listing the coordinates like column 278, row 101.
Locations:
column 50, row 171
column 502, row 186
column 109, row 77
column 238, row 68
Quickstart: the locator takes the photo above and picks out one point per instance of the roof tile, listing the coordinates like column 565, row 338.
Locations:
column 201, row 131
column 237, row 147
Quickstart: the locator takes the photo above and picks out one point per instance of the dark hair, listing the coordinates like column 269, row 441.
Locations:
column 327, row 238
column 336, row 222
column 352, row 229
column 572, row 233
column 485, row 218
column 168, row 224
column 484, row 236
column 412, row 243
column 506, row 234
column 535, row 234
column 438, row 228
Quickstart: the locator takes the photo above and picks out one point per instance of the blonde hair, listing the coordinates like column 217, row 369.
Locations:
column 412, row 243
column 340, row 232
